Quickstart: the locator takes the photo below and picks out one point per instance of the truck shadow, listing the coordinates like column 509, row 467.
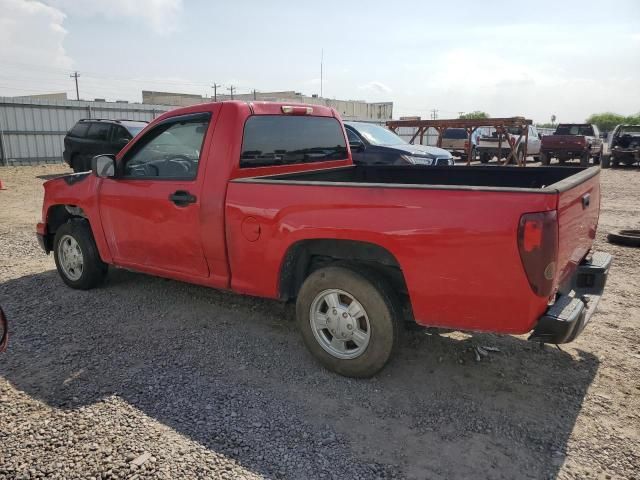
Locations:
column 231, row 373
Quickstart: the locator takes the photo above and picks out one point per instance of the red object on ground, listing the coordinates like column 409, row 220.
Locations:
column 2, row 187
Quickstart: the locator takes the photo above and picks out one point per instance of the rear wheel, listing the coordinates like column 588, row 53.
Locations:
column 76, row 256
column 584, row 159
column 545, row 159
column 349, row 322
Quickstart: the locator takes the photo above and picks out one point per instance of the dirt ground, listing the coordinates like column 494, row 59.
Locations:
column 196, row 383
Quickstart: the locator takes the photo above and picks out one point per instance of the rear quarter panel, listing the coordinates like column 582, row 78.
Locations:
column 457, row 248
column 577, row 224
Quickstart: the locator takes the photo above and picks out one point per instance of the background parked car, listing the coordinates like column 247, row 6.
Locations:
column 373, row 144
column 572, row 140
column 91, row 137
column 488, row 145
column 455, row 141
column 624, row 146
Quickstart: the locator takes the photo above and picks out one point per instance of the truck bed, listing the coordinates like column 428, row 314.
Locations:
column 452, row 230
column 539, row 179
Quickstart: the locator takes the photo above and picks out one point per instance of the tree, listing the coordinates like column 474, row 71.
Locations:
column 606, row 121
column 477, row 114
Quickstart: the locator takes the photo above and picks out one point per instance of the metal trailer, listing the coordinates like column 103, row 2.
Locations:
column 33, row 130
column 471, row 125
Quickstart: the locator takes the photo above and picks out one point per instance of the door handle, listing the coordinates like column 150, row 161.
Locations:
column 586, row 200
column 182, row 198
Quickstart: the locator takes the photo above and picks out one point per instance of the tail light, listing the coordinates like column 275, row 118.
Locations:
column 538, row 246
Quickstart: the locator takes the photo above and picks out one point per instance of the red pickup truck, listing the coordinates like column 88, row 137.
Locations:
column 263, row 199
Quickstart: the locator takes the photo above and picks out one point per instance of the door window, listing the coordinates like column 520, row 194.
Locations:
column 99, row 131
column 170, row 151
column 353, row 137
column 120, row 134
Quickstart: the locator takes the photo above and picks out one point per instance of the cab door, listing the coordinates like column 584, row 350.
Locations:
column 150, row 210
column 534, row 143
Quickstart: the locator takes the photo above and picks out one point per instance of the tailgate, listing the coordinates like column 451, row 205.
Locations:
column 578, row 211
column 563, row 142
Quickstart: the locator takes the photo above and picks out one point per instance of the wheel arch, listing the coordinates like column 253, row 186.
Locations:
column 306, row 256
column 60, row 214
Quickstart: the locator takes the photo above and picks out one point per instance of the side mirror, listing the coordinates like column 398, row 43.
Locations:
column 356, row 146
column 103, row 166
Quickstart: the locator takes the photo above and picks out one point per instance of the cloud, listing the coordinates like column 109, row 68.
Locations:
column 160, row 15
column 32, row 33
column 376, row 86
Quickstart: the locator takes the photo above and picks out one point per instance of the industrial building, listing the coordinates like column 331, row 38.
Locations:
column 348, row 109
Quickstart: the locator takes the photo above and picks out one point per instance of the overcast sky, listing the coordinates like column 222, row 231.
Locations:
column 532, row 58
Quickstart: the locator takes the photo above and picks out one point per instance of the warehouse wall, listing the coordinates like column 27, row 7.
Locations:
column 33, row 130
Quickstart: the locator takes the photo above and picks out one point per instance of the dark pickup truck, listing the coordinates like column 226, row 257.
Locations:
column 263, row 199
column 624, row 147
column 570, row 141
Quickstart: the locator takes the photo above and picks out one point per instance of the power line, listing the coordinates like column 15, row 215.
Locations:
column 75, row 76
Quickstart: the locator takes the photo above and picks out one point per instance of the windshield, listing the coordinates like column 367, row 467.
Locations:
column 574, row 130
column 377, row 135
column 134, row 129
column 631, row 129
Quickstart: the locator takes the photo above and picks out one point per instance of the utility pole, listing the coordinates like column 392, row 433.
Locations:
column 434, row 114
column 231, row 89
column 75, row 75
column 215, row 91
column 254, row 93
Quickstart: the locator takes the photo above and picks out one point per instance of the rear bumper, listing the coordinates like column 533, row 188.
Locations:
column 567, row 317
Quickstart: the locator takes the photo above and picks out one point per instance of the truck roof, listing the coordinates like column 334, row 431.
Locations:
column 257, row 108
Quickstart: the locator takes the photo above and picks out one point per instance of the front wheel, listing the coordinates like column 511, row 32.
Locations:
column 76, row 256
column 350, row 323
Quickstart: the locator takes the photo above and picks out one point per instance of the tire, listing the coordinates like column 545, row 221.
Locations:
column 484, row 157
column 75, row 163
column 545, row 159
column 80, row 268
column 605, row 161
column 584, row 160
column 628, row 238
column 615, row 162
column 378, row 314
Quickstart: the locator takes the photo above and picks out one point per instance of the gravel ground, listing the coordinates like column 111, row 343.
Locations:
column 151, row 378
